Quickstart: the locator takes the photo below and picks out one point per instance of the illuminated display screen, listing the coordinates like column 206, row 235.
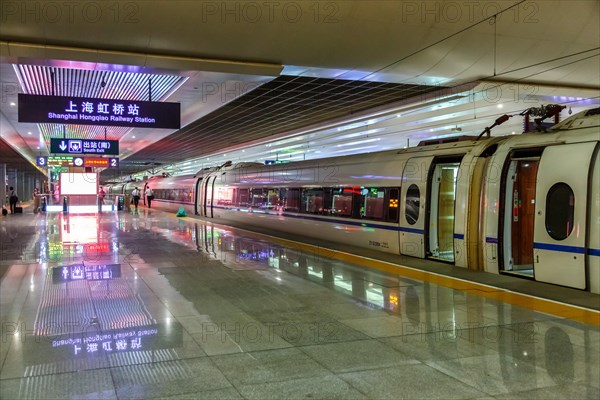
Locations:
column 78, row 183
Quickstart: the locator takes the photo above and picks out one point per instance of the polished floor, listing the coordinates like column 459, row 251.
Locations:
column 144, row 305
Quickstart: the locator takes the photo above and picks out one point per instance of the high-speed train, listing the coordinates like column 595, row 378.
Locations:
column 527, row 205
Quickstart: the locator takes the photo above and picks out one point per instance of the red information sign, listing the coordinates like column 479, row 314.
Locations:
column 96, row 162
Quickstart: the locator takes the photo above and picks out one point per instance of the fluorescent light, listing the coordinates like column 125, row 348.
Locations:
column 358, row 142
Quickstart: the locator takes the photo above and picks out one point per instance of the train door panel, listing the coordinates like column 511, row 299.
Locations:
column 412, row 206
column 197, row 198
column 523, row 203
column 519, row 215
column 440, row 229
column 594, row 228
column 560, row 215
column 209, row 195
column 201, row 197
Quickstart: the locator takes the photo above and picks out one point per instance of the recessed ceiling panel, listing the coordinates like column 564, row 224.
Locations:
column 284, row 104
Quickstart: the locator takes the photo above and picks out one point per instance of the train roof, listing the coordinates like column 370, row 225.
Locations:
column 583, row 119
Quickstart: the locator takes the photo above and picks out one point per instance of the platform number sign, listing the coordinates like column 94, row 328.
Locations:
column 41, row 161
column 113, row 162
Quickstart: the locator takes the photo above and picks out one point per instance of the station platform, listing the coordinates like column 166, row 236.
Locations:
column 142, row 304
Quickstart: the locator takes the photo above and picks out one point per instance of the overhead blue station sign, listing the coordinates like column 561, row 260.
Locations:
column 99, row 112
column 84, row 146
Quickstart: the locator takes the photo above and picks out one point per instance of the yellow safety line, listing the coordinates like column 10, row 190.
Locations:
column 576, row 313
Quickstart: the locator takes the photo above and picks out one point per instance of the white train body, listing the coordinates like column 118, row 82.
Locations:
column 527, row 204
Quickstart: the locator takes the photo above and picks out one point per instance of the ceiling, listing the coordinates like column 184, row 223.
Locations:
column 281, row 105
column 14, row 160
column 248, row 71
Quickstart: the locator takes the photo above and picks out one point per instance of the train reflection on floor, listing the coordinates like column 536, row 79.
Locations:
column 439, row 319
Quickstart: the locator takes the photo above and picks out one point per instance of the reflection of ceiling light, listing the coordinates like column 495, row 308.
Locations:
column 38, row 147
column 12, row 104
column 500, row 106
column 133, row 137
column 358, row 142
column 29, row 133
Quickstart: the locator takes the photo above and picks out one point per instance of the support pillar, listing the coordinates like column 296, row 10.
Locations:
column 15, row 181
column 3, row 187
column 22, row 191
column 12, row 182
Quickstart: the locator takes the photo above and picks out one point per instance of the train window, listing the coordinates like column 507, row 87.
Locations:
column 560, row 211
column 312, row 201
column 373, row 203
column 273, row 198
column 259, row 197
column 413, row 203
column 243, row 198
column 225, row 196
column 392, row 211
column 342, row 202
column 290, row 199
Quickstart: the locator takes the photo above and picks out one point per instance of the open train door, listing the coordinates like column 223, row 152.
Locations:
column 560, row 214
column 201, row 194
column 208, row 195
column 412, row 206
column 197, row 196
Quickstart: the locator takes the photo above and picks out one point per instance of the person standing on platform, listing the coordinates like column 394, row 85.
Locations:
column 36, row 200
column 101, row 195
column 136, row 197
column 13, row 199
column 149, row 196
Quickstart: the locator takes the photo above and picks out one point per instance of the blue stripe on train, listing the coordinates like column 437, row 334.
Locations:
column 333, row 221
column 541, row 246
column 594, row 252
column 412, row 230
column 559, row 247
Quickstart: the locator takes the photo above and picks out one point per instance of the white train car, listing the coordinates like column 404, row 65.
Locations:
column 130, row 186
column 114, row 189
column 171, row 193
column 542, row 213
column 526, row 205
column 354, row 199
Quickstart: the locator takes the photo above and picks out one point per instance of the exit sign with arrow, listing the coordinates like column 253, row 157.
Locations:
column 84, row 146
